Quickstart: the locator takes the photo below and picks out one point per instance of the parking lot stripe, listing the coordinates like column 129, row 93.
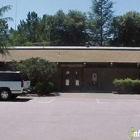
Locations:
column 52, row 100
column 97, row 101
column 47, row 102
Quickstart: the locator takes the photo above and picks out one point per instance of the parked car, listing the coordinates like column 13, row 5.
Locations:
column 12, row 84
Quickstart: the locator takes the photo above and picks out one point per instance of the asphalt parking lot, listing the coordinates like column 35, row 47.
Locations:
column 70, row 116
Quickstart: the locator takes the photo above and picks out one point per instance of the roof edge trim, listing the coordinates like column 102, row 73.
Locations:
column 71, row 48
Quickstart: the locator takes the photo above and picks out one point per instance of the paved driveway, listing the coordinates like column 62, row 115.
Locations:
column 70, row 116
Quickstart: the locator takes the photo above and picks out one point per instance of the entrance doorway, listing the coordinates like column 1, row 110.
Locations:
column 72, row 79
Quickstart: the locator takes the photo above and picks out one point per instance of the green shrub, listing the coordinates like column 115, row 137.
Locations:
column 127, row 85
column 44, row 87
column 118, row 84
column 39, row 87
column 136, row 85
column 37, row 69
column 49, row 86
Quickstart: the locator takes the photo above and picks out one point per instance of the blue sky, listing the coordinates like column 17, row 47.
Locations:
column 42, row 7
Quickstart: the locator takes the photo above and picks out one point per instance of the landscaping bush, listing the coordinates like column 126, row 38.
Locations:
column 37, row 69
column 127, row 85
column 136, row 86
column 44, row 87
column 49, row 86
column 39, row 87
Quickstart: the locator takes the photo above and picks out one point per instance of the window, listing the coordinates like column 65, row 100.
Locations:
column 77, row 82
column 67, row 82
column 10, row 77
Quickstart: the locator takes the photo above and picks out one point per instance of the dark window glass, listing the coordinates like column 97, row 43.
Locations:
column 10, row 77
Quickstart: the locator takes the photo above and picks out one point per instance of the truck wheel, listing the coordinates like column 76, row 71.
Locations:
column 5, row 94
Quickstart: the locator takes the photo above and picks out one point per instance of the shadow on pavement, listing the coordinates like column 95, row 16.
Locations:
column 18, row 100
column 48, row 95
column 127, row 93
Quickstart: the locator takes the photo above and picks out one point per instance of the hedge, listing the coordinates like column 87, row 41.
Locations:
column 127, row 85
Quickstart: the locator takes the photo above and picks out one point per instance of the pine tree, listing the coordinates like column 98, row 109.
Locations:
column 100, row 18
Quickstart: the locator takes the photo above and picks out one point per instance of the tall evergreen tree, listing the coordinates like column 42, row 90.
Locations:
column 29, row 28
column 100, row 18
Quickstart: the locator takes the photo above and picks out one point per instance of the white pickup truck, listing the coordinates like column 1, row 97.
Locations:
column 12, row 84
